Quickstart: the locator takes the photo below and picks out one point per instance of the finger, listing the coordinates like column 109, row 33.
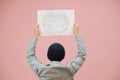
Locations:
column 37, row 25
column 73, row 24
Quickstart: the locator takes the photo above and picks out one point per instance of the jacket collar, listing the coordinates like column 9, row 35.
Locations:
column 55, row 63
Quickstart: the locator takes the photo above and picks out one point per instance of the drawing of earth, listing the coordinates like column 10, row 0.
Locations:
column 55, row 22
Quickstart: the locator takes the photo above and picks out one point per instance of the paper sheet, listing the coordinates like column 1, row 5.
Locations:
column 55, row 22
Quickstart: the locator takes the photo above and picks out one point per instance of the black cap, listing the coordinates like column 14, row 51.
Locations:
column 56, row 52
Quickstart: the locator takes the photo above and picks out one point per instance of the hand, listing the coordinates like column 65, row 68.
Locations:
column 75, row 30
column 36, row 31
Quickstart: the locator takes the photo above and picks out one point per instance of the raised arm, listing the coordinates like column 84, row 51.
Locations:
column 80, row 58
column 31, row 58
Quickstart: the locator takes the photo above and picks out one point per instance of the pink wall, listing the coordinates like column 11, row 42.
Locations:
column 99, row 22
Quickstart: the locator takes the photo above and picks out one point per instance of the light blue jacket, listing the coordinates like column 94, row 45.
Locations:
column 55, row 71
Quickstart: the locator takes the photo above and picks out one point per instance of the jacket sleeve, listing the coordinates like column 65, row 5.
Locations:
column 32, row 59
column 80, row 58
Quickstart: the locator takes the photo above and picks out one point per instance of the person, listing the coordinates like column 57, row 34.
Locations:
column 56, row 53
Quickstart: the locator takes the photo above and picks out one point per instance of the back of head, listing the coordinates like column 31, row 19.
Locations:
column 56, row 52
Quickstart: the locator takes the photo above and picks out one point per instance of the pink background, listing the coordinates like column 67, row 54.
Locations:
column 99, row 24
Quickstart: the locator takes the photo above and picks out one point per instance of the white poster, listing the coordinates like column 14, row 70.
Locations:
column 55, row 22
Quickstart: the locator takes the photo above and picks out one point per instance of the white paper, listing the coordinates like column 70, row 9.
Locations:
column 55, row 22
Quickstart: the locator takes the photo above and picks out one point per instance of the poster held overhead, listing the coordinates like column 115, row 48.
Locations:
column 55, row 22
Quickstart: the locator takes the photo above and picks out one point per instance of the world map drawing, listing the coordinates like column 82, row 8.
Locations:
column 55, row 22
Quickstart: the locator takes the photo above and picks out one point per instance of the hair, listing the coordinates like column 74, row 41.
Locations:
column 56, row 52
